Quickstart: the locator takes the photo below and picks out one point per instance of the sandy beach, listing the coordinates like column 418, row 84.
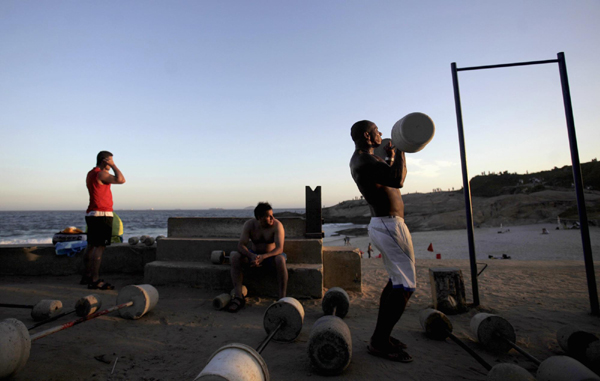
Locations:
column 175, row 340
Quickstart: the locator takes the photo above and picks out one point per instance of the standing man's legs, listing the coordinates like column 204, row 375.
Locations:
column 99, row 235
column 92, row 261
column 391, row 307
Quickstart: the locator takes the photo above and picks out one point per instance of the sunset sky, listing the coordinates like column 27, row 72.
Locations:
column 226, row 103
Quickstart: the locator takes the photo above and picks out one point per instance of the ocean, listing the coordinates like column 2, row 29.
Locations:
column 38, row 227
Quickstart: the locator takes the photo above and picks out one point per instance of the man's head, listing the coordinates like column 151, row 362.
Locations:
column 264, row 214
column 102, row 155
column 365, row 132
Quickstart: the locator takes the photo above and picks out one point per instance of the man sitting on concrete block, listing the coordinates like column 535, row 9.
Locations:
column 261, row 244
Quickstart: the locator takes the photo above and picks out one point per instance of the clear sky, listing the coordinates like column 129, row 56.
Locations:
column 226, row 103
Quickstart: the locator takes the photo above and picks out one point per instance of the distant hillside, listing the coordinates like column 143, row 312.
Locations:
column 497, row 199
column 493, row 184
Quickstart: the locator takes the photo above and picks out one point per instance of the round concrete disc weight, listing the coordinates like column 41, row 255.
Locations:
column 336, row 298
column 148, row 241
column 413, row 132
column 512, row 372
column 235, row 362
column 435, row 324
column 564, row 368
column 88, row 305
column 143, row 296
column 221, row 301
column 487, row 328
column 574, row 341
column 45, row 309
column 15, row 346
column 289, row 311
column 244, row 291
column 592, row 353
column 217, row 257
column 330, row 345
column 380, row 151
column 134, row 240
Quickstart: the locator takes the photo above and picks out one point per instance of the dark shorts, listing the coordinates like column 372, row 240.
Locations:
column 99, row 230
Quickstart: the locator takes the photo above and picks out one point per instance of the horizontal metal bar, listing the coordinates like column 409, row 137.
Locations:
column 506, row 65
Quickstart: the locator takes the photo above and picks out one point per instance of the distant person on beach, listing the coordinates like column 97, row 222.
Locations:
column 99, row 218
column 369, row 249
column 261, row 243
column 380, row 181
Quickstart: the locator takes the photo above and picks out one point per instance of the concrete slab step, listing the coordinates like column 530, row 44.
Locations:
column 307, row 251
column 305, row 280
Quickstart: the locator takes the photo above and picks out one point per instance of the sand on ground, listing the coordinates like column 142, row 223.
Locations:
column 176, row 339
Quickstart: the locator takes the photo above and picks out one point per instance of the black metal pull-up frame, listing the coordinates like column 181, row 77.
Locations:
column 578, row 180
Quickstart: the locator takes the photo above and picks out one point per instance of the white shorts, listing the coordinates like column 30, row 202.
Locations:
column 391, row 236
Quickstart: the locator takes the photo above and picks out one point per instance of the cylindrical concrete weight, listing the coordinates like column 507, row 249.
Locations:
column 15, row 346
column 159, row 237
column 289, row 311
column 143, row 237
column 330, row 345
column 564, row 368
column 336, row 298
column 244, row 291
column 235, row 362
column 220, row 301
column 143, row 296
column 217, row 257
column 45, row 309
column 509, row 372
column 490, row 329
column 148, row 241
column 88, row 305
column 413, row 132
column 435, row 324
column 133, row 240
column 574, row 341
column 380, row 151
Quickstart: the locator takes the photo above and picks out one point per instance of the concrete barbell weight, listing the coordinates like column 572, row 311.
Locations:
column 330, row 345
column 218, row 257
column 222, row 300
column 15, row 345
column 581, row 345
column 282, row 321
column 42, row 310
column 133, row 240
column 83, row 307
column 148, row 241
column 336, row 302
column 437, row 326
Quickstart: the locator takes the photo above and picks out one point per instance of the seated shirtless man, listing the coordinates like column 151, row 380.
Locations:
column 261, row 244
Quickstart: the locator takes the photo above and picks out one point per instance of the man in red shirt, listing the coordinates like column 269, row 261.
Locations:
column 99, row 216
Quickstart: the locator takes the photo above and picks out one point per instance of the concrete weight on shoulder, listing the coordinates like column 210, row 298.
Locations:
column 413, row 132
column 336, row 302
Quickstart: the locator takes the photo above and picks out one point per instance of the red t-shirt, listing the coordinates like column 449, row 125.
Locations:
column 100, row 195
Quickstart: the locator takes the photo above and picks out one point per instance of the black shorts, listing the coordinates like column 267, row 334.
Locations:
column 99, row 230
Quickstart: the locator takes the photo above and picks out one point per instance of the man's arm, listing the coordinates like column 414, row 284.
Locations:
column 279, row 239
column 376, row 170
column 107, row 178
column 244, row 240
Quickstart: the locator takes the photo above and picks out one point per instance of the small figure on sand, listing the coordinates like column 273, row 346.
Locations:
column 545, row 231
column 379, row 181
column 369, row 250
column 99, row 218
column 261, row 243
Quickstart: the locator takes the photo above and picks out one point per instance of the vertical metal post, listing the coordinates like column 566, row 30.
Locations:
column 578, row 180
column 314, row 213
column 466, row 186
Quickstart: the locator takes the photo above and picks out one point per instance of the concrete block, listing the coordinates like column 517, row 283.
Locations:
column 342, row 268
column 448, row 290
column 199, row 249
column 229, row 227
column 305, row 280
column 42, row 260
